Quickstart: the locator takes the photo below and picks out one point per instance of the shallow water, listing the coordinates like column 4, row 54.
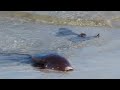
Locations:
column 94, row 58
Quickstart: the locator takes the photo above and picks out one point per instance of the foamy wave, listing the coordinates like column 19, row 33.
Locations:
column 49, row 19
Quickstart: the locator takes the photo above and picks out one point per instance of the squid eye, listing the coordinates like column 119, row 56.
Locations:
column 42, row 65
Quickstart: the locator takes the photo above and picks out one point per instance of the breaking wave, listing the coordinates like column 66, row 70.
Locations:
column 74, row 18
